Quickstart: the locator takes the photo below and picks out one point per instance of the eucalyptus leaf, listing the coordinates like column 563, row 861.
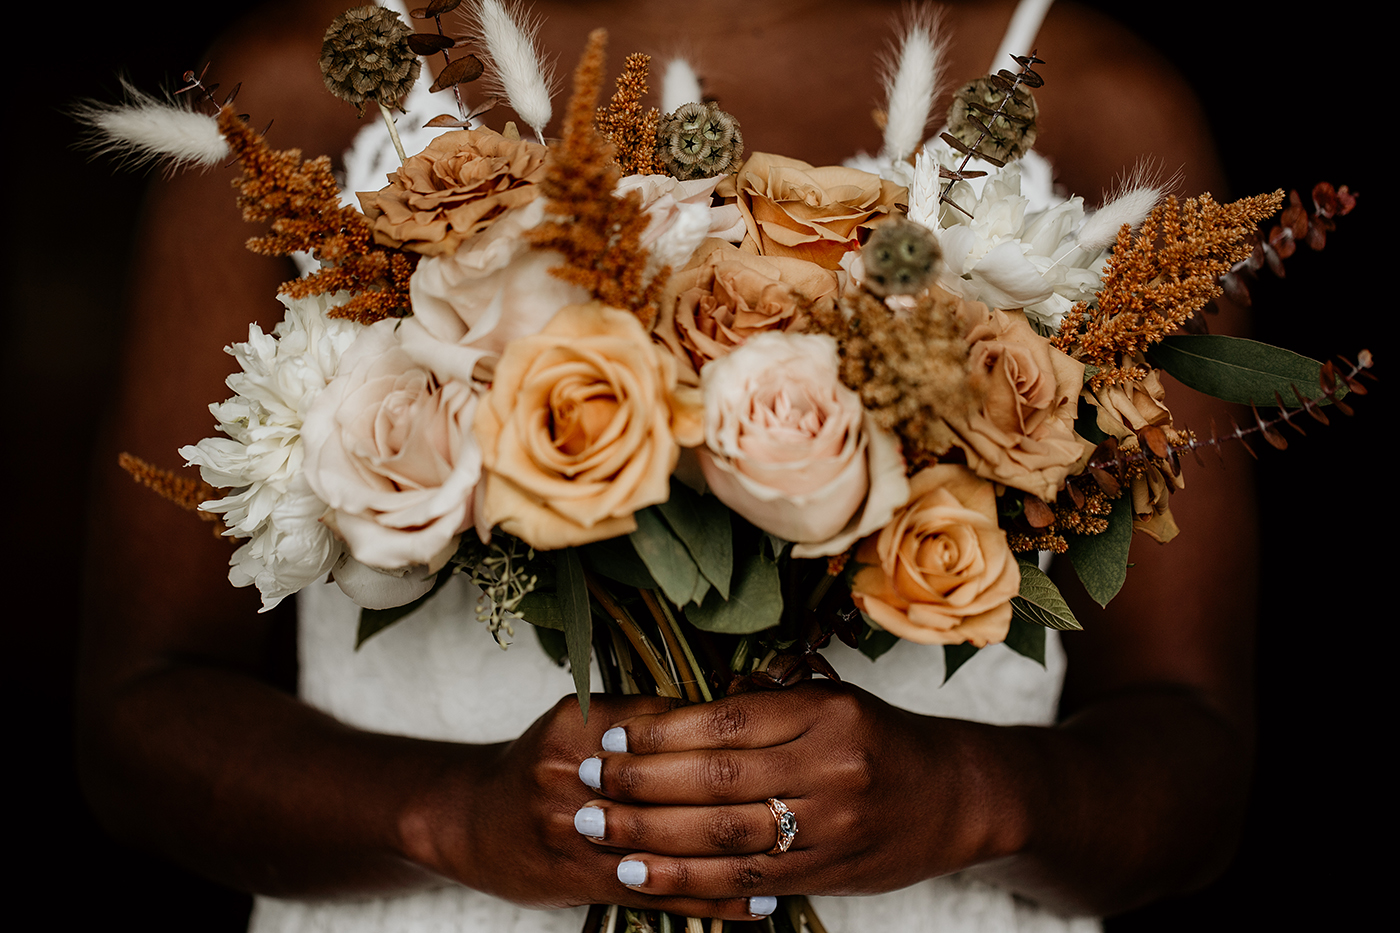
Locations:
column 1234, row 369
column 666, row 558
column 578, row 621
column 616, row 559
column 1027, row 638
column 553, row 644
column 1040, row 602
column 754, row 604
column 1102, row 560
column 540, row 607
column 374, row 621
column 777, row 544
column 955, row 656
column 702, row 525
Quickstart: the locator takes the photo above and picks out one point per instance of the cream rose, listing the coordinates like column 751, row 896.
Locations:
column 391, row 451
column 789, row 448
column 454, row 189
column 725, row 296
column 1023, row 434
column 794, row 209
column 581, row 428
column 941, row 571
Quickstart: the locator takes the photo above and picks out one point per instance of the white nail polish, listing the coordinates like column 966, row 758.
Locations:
column 591, row 772
column 615, row 740
column 760, row 906
column 633, row 873
column 589, row 822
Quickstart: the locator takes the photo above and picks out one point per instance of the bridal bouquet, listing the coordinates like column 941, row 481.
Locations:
column 693, row 410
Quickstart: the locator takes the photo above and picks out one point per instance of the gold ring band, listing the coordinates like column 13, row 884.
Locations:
column 787, row 825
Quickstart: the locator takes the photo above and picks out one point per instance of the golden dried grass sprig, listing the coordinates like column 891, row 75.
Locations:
column 301, row 201
column 631, row 130
column 185, row 491
column 598, row 233
column 1157, row 280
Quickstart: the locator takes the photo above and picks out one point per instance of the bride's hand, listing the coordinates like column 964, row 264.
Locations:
column 504, row 823
column 883, row 798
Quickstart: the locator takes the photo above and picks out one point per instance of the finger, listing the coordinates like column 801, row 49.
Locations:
column 681, row 831
column 751, row 720
column 696, row 778
column 723, row 878
column 733, row 908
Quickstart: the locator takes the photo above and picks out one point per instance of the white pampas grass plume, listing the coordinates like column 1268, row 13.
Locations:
column 515, row 69
column 149, row 129
column 1130, row 203
column 912, row 76
column 679, row 86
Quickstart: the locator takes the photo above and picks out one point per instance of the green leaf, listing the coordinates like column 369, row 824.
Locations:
column 1234, row 369
column 665, row 556
column 1027, row 638
column 754, row 604
column 776, row 544
column 617, row 559
column 875, row 641
column 702, row 525
column 1102, row 560
column 1040, row 602
column 541, row 607
column 955, row 656
column 374, row 621
column 553, row 644
column 578, row 621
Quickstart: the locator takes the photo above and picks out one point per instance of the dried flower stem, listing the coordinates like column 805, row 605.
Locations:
column 393, row 132
column 623, row 123
column 185, row 491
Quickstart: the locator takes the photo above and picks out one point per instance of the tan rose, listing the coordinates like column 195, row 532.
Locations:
column 789, row 448
column 391, row 451
column 453, row 189
column 794, row 209
column 1023, row 434
column 581, row 429
column 1124, row 409
column 726, row 295
column 940, row 572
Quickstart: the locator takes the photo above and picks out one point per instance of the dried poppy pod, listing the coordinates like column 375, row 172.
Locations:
column 1003, row 120
column 901, row 258
column 365, row 56
column 699, row 140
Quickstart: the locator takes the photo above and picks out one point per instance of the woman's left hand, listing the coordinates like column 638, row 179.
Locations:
column 883, row 798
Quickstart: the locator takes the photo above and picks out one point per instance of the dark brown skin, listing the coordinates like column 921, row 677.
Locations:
column 1138, row 793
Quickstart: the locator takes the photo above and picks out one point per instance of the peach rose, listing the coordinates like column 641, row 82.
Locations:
column 1023, row 434
column 725, row 296
column 794, row 209
column 1124, row 409
column 581, row 428
column 941, row 571
column 790, row 448
column 391, row 451
column 454, row 189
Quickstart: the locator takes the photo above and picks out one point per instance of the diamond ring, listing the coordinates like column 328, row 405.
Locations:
column 787, row 825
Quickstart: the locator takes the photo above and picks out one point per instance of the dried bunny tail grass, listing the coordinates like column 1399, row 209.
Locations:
column 516, row 71
column 1131, row 200
column 912, row 77
column 150, row 129
column 680, row 85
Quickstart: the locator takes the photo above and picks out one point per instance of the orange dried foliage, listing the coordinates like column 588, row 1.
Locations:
column 301, row 201
column 185, row 491
column 598, row 234
column 1159, row 279
column 631, row 130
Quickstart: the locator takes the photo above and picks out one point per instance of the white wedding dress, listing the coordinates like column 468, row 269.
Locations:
column 438, row 674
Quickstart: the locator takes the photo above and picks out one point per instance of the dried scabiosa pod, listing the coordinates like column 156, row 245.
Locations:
column 365, row 56
column 1002, row 119
column 699, row 140
column 900, row 258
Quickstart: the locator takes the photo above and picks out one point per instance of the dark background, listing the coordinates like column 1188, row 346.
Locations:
column 1292, row 101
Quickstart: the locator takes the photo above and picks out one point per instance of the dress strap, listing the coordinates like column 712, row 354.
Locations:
column 1021, row 31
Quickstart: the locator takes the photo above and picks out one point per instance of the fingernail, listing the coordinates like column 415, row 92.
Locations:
column 760, row 906
column 633, row 873
column 591, row 772
column 589, row 822
column 615, row 740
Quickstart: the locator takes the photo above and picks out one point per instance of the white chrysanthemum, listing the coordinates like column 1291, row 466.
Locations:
column 1018, row 249
column 260, row 459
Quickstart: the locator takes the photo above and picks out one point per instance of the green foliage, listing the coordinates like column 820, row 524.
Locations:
column 578, row 621
column 1234, row 369
column 1027, row 638
column 755, row 604
column 955, row 656
column 702, row 525
column 875, row 641
column 374, row 621
column 1102, row 560
column 617, row 559
column 1040, row 602
column 667, row 559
